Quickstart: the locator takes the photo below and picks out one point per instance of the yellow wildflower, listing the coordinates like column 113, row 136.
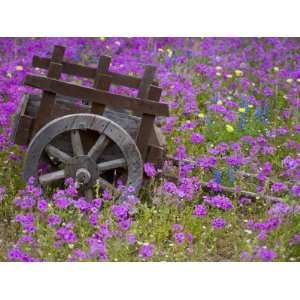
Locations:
column 242, row 109
column 201, row 115
column 229, row 128
column 289, row 80
column 19, row 68
column 218, row 74
column 160, row 50
column 170, row 52
column 219, row 102
column 250, row 105
column 276, row 69
column 298, row 80
column 238, row 73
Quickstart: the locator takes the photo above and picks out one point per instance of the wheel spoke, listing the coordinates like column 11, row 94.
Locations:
column 53, row 176
column 105, row 183
column 58, row 154
column 98, row 147
column 76, row 143
column 112, row 164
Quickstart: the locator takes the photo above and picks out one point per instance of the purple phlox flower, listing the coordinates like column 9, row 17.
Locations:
column 289, row 163
column 218, row 223
column 27, row 221
column 244, row 201
column 54, row 220
column 235, row 160
column 16, row 254
column 131, row 238
column 266, row 254
column 120, row 211
column 279, row 209
column 78, row 254
column 245, row 256
column 93, row 219
column 66, row 234
column 97, row 203
column 189, row 237
column 25, row 201
column 106, row 195
column 61, row 200
column 278, row 187
column 149, row 169
column 206, row 162
column 296, row 190
column 297, row 128
column 188, row 125
column 146, row 250
column 200, row 211
column 216, row 187
column 179, row 237
column 267, row 168
column 221, row 148
column 125, row 224
column 82, row 204
column 197, row 138
column 177, row 228
column 268, row 225
column 25, row 239
column 262, row 235
column 42, row 205
column 97, row 248
column 103, row 232
column 220, row 201
column 170, row 187
column 180, row 152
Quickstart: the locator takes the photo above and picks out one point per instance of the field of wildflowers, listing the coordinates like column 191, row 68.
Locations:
column 234, row 123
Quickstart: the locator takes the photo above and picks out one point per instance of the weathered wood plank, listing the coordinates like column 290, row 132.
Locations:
column 99, row 96
column 24, row 129
column 102, row 82
column 89, row 72
column 147, row 122
column 48, row 98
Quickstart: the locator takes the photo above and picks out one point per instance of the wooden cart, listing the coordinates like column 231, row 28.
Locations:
column 89, row 133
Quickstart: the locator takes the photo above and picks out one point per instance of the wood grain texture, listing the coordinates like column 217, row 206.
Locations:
column 89, row 72
column 48, row 98
column 98, row 96
column 147, row 122
column 84, row 122
column 102, row 82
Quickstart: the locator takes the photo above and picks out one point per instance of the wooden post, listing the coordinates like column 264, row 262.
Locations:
column 48, row 98
column 147, row 119
column 102, row 82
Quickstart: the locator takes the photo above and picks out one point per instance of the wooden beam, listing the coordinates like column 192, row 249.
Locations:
column 101, row 82
column 146, row 126
column 48, row 98
column 90, row 72
column 99, row 96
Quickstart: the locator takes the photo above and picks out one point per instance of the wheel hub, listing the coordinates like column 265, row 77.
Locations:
column 83, row 169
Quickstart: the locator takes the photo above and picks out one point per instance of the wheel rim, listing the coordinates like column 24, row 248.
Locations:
column 83, row 167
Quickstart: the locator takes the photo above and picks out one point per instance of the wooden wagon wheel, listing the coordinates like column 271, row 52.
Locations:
column 82, row 165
